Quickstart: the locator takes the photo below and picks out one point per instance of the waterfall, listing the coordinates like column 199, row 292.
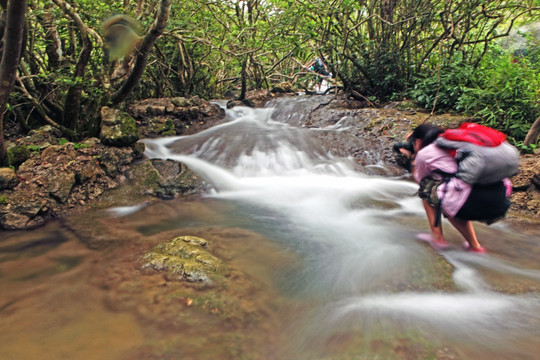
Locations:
column 355, row 233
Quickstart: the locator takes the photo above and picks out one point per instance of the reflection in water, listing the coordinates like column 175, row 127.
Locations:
column 325, row 264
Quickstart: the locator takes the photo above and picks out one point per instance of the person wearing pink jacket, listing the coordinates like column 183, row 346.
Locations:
column 461, row 203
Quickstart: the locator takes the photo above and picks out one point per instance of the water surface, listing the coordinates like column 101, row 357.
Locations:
column 324, row 265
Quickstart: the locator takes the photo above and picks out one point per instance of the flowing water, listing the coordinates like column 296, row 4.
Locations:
column 330, row 254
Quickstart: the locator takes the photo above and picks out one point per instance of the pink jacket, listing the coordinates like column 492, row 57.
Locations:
column 456, row 191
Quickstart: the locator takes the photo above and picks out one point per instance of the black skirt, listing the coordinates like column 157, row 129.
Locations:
column 486, row 203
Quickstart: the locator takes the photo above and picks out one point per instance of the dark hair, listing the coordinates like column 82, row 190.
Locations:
column 427, row 133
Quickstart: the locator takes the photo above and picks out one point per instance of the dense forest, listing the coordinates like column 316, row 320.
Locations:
column 61, row 61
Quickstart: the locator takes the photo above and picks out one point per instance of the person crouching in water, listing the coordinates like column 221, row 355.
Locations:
column 458, row 201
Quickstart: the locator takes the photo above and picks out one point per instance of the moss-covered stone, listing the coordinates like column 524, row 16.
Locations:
column 180, row 101
column 165, row 179
column 186, row 258
column 118, row 128
column 146, row 176
column 169, row 129
column 18, row 154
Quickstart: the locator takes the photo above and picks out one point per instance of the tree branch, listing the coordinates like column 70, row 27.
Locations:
column 143, row 51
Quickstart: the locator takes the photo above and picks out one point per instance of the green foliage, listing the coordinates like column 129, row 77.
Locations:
column 34, row 148
column 428, row 49
column 506, row 95
column 445, row 85
column 3, row 200
column 379, row 73
column 526, row 149
column 76, row 146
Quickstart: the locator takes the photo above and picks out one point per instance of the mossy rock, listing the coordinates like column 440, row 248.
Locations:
column 146, row 176
column 186, row 258
column 181, row 101
column 18, row 154
column 118, row 128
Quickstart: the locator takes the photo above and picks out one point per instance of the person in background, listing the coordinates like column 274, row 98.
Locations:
column 320, row 68
column 460, row 202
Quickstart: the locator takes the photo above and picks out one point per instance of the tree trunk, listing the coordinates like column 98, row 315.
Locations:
column 13, row 39
column 54, row 45
column 243, row 90
column 72, row 103
column 142, row 53
column 534, row 132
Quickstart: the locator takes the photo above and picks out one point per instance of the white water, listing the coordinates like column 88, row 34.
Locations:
column 355, row 233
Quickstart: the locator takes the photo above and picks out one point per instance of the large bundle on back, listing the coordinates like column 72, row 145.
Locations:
column 483, row 154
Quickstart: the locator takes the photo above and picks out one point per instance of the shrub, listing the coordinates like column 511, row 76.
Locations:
column 445, row 85
column 506, row 96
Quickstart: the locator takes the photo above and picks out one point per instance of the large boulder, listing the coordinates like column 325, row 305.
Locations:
column 165, row 179
column 118, row 128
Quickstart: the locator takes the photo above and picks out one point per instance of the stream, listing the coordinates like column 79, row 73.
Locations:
column 329, row 265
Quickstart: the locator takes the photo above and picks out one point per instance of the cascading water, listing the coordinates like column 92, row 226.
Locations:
column 322, row 262
column 361, row 263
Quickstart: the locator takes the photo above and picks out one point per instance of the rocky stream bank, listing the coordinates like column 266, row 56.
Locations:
column 54, row 178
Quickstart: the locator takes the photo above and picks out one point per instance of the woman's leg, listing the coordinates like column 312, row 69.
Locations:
column 465, row 228
column 436, row 231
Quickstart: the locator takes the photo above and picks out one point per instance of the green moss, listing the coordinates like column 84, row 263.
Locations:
column 146, row 176
column 128, row 125
column 168, row 129
column 186, row 258
column 19, row 154
column 3, row 200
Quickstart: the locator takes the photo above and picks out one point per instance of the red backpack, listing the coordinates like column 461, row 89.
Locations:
column 476, row 134
column 482, row 153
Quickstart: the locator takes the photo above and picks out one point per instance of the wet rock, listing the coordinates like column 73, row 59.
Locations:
column 175, row 116
column 235, row 102
column 255, row 99
column 284, row 87
column 8, row 179
column 165, row 178
column 185, row 258
column 146, row 176
column 118, row 128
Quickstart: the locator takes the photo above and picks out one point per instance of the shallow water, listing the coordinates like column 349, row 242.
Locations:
column 324, row 262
